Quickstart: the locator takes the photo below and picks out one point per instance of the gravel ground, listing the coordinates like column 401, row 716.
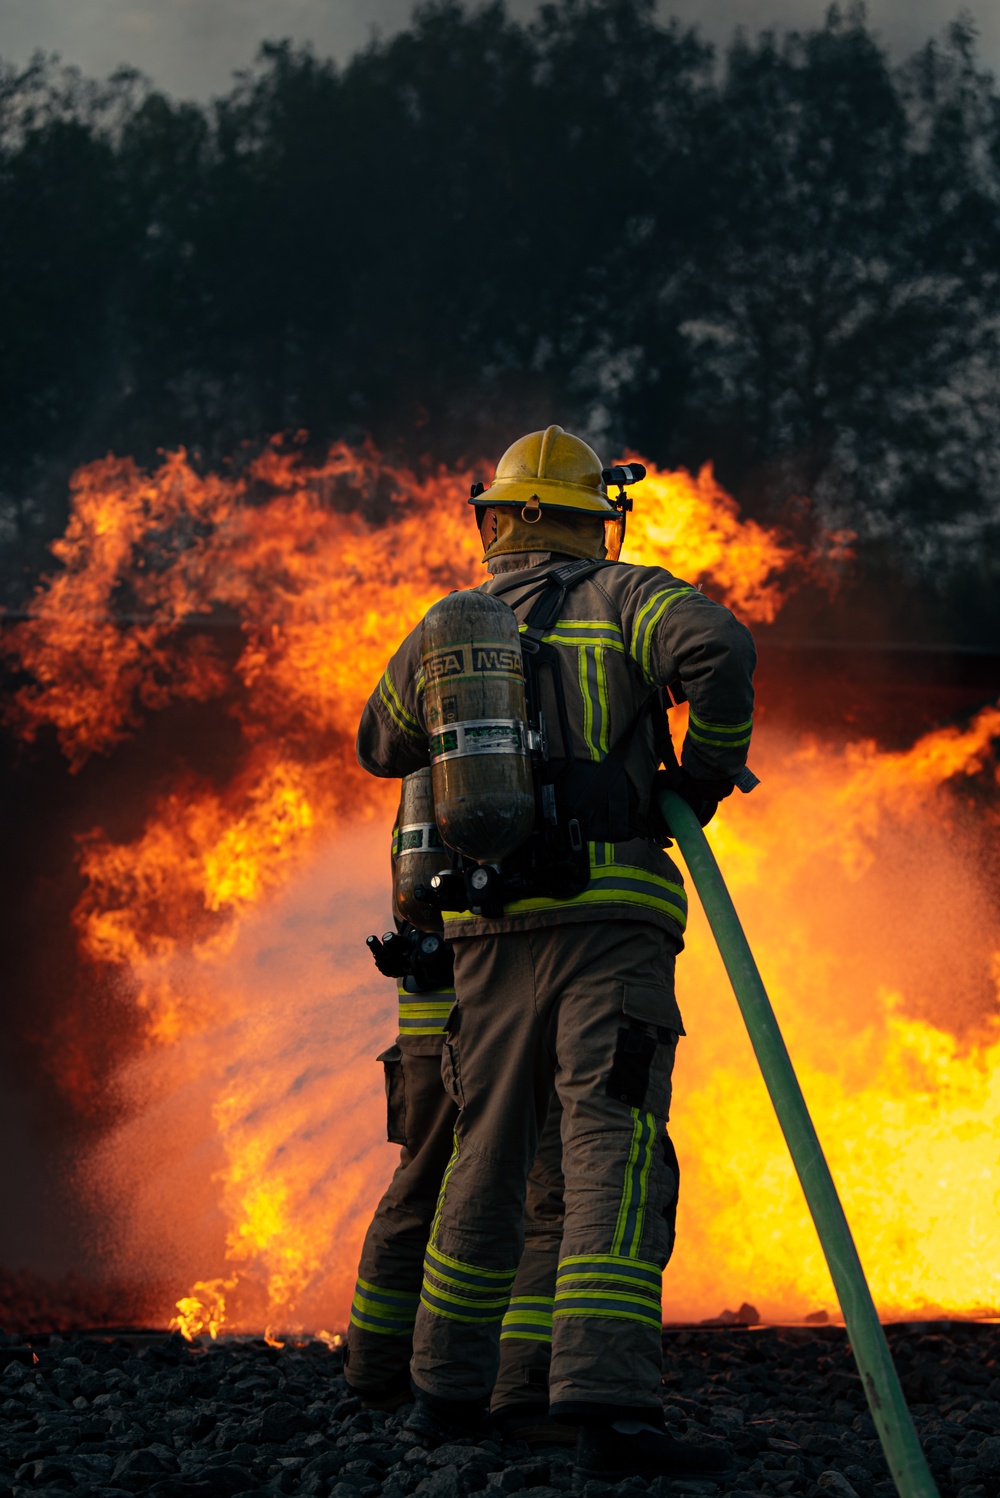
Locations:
column 108, row 1416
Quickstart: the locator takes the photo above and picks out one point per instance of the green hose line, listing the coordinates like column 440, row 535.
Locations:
column 892, row 1418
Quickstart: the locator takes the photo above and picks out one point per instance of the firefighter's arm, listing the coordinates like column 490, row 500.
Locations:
column 674, row 634
column 391, row 737
column 704, row 646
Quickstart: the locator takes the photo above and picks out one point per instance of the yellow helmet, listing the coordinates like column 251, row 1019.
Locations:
column 550, row 470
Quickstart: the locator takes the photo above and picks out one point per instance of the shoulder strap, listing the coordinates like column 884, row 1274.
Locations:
column 552, row 585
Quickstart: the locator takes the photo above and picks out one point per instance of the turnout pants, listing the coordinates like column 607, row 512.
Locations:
column 592, row 1008
column 421, row 1118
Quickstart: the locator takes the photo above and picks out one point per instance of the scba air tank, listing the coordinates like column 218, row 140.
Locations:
column 479, row 743
column 418, row 851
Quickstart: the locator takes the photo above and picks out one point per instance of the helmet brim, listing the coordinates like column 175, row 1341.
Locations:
column 550, row 494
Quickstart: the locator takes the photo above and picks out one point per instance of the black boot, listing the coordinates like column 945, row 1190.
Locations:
column 388, row 1396
column 435, row 1421
column 532, row 1424
column 635, row 1448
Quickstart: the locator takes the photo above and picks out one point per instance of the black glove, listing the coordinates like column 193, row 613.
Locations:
column 703, row 796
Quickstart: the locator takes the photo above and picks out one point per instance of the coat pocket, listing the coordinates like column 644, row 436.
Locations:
column 395, row 1095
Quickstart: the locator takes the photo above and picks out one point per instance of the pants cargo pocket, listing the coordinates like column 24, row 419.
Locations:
column 451, row 1074
column 395, row 1095
column 643, row 1062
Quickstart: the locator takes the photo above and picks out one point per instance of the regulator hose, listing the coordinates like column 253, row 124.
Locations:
column 889, row 1411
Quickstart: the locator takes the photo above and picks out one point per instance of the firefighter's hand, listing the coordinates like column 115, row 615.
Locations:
column 703, row 796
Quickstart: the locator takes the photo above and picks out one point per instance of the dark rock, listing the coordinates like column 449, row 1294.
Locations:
column 278, row 1423
column 835, row 1484
column 136, row 1470
column 444, row 1482
column 988, row 1455
column 510, row 1480
column 48, row 1470
column 326, row 1465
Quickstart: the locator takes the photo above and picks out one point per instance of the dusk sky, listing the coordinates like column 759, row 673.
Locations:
column 190, row 48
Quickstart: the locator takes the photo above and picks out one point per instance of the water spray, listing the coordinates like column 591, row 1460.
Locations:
column 886, row 1401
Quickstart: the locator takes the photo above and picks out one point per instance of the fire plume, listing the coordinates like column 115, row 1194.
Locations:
column 234, row 916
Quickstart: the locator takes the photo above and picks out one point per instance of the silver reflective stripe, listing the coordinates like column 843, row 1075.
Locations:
column 478, row 736
column 418, row 837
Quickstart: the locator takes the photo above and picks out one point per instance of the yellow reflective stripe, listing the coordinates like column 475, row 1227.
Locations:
column 597, row 1266
column 632, row 1207
column 608, row 1296
column 425, row 1015
column 437, row 1309
column 611, row 883
column 560, row 637
column 645, row 625
column 467, row 1293
column 584, row 632
column 475, row 1271
column 406, row 1297
column 525, row 1336
column 715, row 743
column 721, row 727
column 606, row 1312
column 390, row 1313
column 395, row 707
column 633, row 898
column 448, row 1292
column 720, row 735
column 593, row 678
column 436, row 1224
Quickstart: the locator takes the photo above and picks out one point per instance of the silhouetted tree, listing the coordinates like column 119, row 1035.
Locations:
column 787, row 264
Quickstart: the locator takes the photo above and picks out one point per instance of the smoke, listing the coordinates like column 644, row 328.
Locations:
column 261, row 1137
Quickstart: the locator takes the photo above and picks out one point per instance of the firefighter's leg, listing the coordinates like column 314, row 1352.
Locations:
column 500, row 1074
column 421, row 1118
column 522, row 1385
column 617, row 1032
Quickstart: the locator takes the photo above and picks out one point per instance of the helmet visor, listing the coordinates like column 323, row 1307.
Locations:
column 614, row 536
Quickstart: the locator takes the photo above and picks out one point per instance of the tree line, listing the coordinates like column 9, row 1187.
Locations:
column 784, row 259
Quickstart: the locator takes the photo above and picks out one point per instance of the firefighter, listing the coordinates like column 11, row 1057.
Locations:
column 421, row 1120
column 566, row 972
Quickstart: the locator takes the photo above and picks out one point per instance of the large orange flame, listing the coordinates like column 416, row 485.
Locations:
column 252, row 1158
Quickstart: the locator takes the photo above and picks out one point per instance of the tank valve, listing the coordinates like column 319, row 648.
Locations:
column 484, row 884
column 447, row 891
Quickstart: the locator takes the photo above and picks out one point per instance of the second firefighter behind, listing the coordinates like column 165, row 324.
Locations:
column 565, row 977
column 420, row 1118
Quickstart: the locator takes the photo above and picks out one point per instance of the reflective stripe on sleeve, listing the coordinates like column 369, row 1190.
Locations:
column 648, row 618
column 396, row 709
column 720, row 735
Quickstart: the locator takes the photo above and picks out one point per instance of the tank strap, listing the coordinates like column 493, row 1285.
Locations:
column 605, row 774
column 553, row 584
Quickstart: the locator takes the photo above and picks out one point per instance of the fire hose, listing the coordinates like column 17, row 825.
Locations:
column 886, row 1401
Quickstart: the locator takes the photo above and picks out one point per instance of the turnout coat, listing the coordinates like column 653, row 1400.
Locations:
column 624, row 632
